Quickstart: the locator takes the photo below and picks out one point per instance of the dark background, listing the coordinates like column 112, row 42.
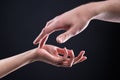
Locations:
column 22, row 20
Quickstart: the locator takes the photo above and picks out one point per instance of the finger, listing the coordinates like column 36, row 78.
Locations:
column 66, row 62
column 40, row 36
column 69, row 51
column 81, row 60
column 43, row 41
column 66, row 53
column 61, row 51
column 79, row 57
column 71, row 54
column 49, row 22
column 47, row 30
column 67, row 35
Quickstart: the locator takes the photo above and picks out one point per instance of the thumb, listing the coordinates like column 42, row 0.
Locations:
column 43, row 41
column 67, row 35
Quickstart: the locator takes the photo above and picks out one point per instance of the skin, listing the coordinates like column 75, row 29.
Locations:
column 74, row 22
column 77, row 19
column 46, row 53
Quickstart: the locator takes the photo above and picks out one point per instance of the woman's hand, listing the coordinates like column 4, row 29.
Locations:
column 60, row 57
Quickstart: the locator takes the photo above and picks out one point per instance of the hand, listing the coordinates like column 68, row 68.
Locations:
column 60, row 57
column 73, row 21
column 57, row 56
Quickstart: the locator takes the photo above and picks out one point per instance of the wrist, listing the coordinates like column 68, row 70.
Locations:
column 109, row 11
column 91, row 10
column 32, row 55
column 36, row 55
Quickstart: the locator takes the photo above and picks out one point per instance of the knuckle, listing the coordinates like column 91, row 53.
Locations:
column 58, row 21
column 47, row 22
column 45, row 30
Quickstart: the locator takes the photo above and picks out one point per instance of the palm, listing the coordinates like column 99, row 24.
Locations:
column 60, row 57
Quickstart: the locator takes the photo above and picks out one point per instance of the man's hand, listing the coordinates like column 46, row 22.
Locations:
column 73, row 21
column 77, row 19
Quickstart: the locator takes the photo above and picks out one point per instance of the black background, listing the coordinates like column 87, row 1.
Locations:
column 22, row 20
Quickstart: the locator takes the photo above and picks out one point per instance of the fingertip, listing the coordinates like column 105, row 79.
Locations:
column 62, row 38
column 85, row 57
column 65, row 49
column 34, row 42
column 83, row 51
column 59, row 40
column 60, row 50
column 72, row 51
column 39, row 37
column 80, row 55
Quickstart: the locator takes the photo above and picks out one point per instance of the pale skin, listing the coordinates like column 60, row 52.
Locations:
column 74, row 22
column 77, row 19
column 46, row 53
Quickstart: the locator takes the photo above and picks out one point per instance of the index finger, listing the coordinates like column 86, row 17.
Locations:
column 71, row 55
column 43, row 41
column 47, row 30
column 79, row 57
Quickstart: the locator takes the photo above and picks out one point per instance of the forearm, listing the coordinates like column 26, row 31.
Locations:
column 11, row 64
column 103, row 10
column 110, row 11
